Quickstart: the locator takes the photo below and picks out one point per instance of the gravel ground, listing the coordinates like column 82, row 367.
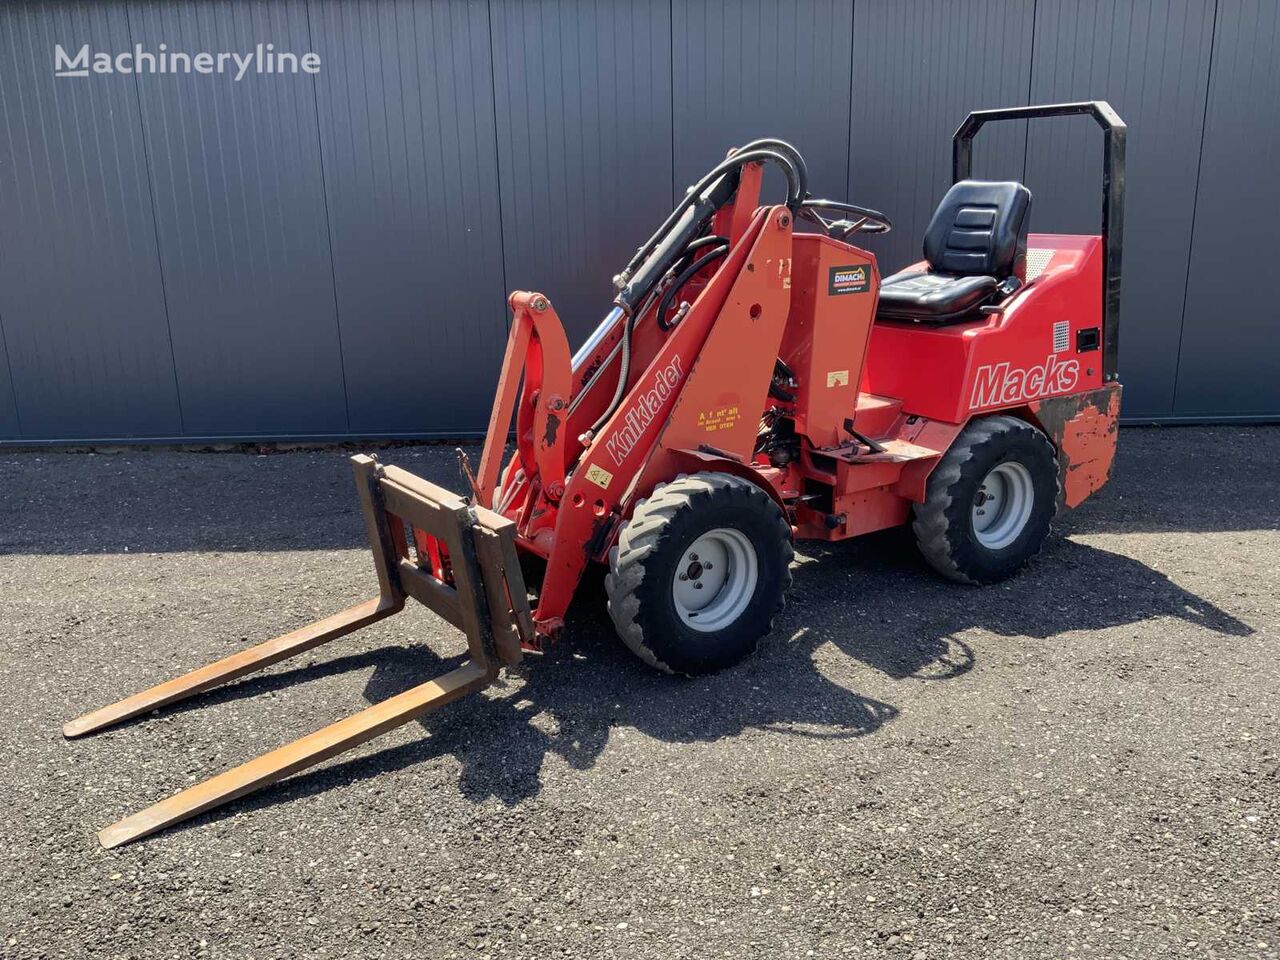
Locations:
column 1081, row 762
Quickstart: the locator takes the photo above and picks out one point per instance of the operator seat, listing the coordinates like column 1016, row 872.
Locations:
column 976, row 251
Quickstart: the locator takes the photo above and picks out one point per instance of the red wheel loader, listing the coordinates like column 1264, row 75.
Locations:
column 751, row 385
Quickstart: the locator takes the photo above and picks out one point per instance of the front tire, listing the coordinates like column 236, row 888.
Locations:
column 990, row 503
column 699, row 573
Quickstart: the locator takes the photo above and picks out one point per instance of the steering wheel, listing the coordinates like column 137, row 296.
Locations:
column 865, row 220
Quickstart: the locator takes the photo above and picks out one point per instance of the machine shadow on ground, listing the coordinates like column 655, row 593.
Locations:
column 881, row 605
column 872, row 600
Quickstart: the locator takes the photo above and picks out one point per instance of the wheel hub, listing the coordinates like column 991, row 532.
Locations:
column 1002, row 505
column 716, row 579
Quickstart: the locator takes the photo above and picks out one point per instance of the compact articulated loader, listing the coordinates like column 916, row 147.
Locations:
column 752, row 384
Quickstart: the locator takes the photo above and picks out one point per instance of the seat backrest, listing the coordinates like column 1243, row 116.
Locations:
column 980, row 229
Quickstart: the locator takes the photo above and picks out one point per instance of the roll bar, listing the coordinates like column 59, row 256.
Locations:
column 1112, row 196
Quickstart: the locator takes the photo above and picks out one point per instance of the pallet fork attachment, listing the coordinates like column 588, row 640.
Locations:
column 458, row 560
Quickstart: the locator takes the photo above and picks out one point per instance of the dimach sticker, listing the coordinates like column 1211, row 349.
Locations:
column 855, row 278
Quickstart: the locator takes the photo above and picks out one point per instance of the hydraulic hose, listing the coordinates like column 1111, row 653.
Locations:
column 624, row 367
column 796, row 182
column 673, row 244
column 682, row 278
column 688, row 221
column 776, row 151
column 710, row 240
column 719, row 247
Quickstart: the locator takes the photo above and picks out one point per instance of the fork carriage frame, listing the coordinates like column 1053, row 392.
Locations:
column 429, row 545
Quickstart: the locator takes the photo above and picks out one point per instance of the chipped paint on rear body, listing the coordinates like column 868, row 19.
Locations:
column 1083, row 427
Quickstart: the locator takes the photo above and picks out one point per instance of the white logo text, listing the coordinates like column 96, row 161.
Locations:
column 642, row 412
column 264, row 58
column 997, row 383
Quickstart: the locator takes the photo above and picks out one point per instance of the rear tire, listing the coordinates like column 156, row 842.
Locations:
column 699, row 573
column 990, row 503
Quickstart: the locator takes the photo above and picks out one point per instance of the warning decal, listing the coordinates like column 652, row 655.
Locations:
column 599, row 476
column 720, row 418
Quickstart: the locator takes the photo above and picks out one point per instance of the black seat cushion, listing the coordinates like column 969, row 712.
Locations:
column 934, row 297
column 976, row 240
column 979, row 229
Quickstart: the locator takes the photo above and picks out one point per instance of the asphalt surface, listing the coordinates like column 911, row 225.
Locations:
column 1084, row 761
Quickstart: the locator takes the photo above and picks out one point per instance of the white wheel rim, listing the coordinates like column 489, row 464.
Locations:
column 1002, row 505
column 715, row 579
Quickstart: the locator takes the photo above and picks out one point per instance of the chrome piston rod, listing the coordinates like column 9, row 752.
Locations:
column 597, row 337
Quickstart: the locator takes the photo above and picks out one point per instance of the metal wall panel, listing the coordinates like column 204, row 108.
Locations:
column 1150, row 60
column 1229, row 364
column 763, row 69
column 410, row 164
column 282, row 256
column 919, row 67
column 10, row 426
column 583, row 96
column 81, row 302
column 240, row 211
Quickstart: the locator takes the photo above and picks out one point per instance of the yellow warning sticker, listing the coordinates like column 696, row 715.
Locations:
column 599, row 476
column 838, row 378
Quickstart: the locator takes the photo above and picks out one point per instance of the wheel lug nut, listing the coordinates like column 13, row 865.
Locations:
column 706, row 566
column 684, row 576
column 693, row 557
column 698, row 585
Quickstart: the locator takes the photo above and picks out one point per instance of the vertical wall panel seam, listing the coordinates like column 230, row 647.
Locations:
column 328, row 224
column 155, row 225
column 1031, row 74
column 671, row 47
column 4, row 343
column 497, row 157
column 8, row 364
column 853, row 60
column 1195, row 202
column 848, row 152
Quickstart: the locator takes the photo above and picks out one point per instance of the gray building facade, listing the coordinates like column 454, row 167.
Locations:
column 191, row 257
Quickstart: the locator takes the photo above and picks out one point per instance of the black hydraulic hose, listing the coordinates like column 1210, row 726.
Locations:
column 631, row 295
column 720, row 248
column 741, row 158
column 687, row 222
column 782, row 372
column 710, row 240
column 792, row 154
column 682, row 278
column 778, row 151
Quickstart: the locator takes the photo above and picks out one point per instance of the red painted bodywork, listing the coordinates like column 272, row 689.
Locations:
column 695, row 396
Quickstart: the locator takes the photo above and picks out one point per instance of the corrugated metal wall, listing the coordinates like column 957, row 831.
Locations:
column 296, row 256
